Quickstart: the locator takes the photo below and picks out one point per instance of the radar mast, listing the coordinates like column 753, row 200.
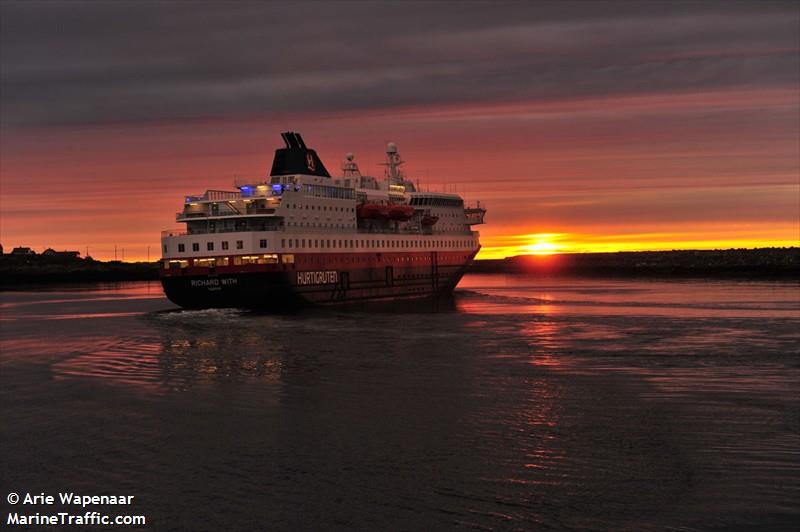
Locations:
column 349, row 167
column 392, row 164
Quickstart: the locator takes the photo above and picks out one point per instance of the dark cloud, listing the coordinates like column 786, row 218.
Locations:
column 86, row 62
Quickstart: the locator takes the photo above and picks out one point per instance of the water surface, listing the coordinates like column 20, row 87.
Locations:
column 525, row 403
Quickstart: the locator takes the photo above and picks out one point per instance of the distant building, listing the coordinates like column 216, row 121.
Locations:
column 50, row 252
column 22, row 251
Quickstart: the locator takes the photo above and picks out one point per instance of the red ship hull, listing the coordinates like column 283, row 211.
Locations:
column 318, row 278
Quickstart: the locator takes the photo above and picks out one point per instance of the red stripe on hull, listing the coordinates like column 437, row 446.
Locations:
column 332, row 261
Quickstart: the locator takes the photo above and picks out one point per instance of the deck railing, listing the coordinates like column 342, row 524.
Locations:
column 184, row 215
column 252, row 181
column 215, row 195
column 314, row 230
column 220, row 230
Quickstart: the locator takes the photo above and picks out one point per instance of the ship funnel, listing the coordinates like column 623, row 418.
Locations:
column 296, row 158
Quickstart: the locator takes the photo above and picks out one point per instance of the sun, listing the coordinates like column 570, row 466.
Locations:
column 541, row 248
column 542, row 244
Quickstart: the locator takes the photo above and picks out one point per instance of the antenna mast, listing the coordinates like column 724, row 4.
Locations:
column 392, row 164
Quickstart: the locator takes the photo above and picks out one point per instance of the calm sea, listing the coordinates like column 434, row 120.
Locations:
column 524, row 403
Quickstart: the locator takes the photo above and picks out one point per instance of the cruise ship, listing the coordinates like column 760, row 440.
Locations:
column 300, row 236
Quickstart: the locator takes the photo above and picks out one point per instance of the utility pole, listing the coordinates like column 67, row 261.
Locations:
column 148, row 253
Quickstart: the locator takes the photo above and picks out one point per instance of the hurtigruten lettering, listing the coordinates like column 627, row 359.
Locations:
column 327, row 277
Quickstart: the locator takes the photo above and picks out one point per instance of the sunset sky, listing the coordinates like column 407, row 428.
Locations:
column 584, row 126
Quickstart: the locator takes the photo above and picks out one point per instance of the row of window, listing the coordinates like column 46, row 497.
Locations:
column 333, row 244
column 315, row 224
column 371, row 244
column 370, row 258
column 319, row 208
column 273, row 258
column 210, row 262
column 442, row 202
column 210, row 246
column 330, row 192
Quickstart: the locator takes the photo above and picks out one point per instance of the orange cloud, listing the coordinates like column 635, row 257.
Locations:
column 705, row 170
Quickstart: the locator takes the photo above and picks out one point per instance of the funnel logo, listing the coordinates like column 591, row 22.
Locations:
column 310, row 162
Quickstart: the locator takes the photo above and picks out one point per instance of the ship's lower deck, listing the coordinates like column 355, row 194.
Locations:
column 316, row 278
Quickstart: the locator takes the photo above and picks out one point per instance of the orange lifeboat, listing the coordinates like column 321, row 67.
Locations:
column 372, row 210
column 429, row 220
column 401, row 212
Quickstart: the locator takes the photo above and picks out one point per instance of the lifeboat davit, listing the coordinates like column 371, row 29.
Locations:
column 401, row 212
column 429, row 220
column 372, row 210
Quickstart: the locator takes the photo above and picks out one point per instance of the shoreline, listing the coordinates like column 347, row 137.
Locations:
column 763, row 263
column 779, row 264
